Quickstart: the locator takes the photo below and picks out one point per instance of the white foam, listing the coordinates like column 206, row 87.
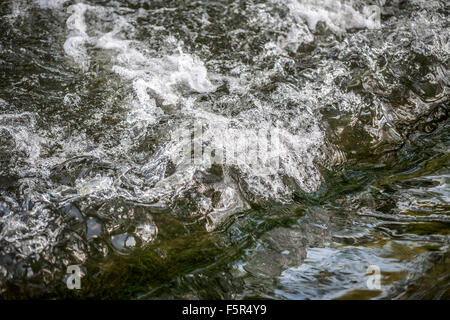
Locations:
column 52, row 4
column 296, row 148
column 338, row 15
column 75, row 45
column 167, row 78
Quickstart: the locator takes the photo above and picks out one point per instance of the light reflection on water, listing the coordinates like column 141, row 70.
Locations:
column 97, row 99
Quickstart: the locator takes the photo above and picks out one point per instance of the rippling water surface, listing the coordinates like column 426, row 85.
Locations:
column 99, row 101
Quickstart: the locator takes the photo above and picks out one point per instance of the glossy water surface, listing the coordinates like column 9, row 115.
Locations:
column 98, row 100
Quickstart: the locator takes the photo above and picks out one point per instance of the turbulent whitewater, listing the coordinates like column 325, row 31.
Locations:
column 224, row 149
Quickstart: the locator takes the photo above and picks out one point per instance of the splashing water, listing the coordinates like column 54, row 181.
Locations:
column 280, row 147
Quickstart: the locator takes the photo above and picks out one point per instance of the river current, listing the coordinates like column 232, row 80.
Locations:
column 228, row 149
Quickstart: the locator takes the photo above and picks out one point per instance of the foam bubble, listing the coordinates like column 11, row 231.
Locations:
column 52, row 4
column 339, row 16
column 167, row 78
column 75, row 45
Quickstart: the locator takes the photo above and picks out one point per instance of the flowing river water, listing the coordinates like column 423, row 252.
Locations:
column 228, row 149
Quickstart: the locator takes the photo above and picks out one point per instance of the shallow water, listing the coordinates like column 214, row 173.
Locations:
column 277, row 149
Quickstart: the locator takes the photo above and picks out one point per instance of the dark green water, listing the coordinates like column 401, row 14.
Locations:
column 99, row 101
